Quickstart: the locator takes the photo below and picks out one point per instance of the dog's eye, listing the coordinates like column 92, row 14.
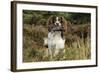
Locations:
column 53, row 21
column 58, row 19
column 61, row 19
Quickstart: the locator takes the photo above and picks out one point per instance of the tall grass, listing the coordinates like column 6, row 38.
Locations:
column 34, row 51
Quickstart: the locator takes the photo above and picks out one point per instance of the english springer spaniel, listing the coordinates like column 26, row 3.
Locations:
column 56, row 28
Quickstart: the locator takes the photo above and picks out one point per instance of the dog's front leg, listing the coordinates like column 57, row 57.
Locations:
column 56, row 52
column 50, row 54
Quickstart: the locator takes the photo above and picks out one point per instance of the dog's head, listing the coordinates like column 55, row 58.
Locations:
column 56, row 23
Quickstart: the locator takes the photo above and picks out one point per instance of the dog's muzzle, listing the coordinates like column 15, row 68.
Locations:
column 58, row 29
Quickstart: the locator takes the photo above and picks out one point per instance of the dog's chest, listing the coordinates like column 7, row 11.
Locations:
column 55, row 40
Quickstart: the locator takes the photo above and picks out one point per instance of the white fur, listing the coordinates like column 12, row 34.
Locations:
column 45, row 41
column 55, row 40
column 55, row 43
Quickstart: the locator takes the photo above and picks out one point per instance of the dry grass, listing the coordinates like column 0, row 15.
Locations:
column 34, row 51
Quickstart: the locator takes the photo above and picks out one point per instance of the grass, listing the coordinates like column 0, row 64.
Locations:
column 34, row 51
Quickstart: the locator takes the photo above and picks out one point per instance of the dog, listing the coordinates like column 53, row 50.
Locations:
column 55, row 40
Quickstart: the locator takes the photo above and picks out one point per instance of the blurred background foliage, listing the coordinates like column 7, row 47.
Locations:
column 40, row 17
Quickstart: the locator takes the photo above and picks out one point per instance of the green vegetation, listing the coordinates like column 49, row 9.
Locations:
column 35, row 29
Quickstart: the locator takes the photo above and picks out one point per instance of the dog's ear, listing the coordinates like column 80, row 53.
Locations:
column 64, row 24
column 50, row 22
